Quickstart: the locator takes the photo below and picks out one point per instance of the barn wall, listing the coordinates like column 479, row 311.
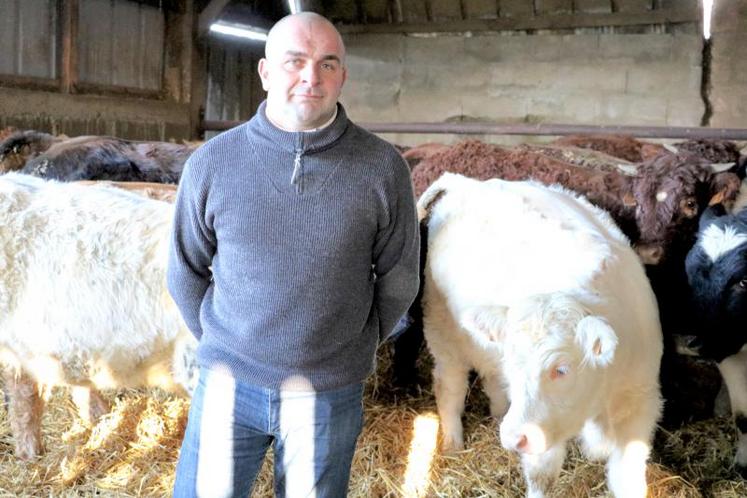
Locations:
column 592, row 76
column 234, row 89
column 28, row 29
column 121, row 43
column 728, row 92
column 73, row 115
column 134, row 74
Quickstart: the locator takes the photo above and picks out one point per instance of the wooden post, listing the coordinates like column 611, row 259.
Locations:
column 69, row 59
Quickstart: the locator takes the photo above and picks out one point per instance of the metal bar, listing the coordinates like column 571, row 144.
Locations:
column 537, row 129
column 560, row 21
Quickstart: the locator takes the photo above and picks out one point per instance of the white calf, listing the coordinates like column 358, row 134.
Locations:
column 541, row 293
column 83, row 300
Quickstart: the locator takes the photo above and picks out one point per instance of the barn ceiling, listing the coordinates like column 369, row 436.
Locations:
column 381, row 16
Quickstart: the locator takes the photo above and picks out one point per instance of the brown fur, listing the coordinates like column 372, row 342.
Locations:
column 158, row 191
column 24, row 413
column 415, row 155
column 586, row 158
column 715, row 151
column 6, row 132
column 22, row 146
column 93, row 158
column 631, row 200
column 622, row 146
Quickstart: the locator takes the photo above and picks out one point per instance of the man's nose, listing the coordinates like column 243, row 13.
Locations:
column 310, row 74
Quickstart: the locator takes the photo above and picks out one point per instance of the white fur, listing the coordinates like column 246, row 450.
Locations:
column 734, row 371
column 717, row 242
column 571, row 301
column 83, row 299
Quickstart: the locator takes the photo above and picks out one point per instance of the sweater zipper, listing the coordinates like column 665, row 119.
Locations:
column 297, row 176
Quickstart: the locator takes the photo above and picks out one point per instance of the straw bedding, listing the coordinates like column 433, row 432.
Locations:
column 132, row 451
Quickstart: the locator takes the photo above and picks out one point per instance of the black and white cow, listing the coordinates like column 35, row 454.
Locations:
column 717, row 273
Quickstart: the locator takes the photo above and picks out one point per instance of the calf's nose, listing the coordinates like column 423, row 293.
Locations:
column 649, row 254
column 522, row 444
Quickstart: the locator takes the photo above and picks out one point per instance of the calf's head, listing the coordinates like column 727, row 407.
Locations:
column 671, row 191
column 21, row 146
column 717, row 273
column 554, row 359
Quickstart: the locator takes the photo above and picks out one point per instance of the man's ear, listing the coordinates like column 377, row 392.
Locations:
column 264, row 73
column 485, row 321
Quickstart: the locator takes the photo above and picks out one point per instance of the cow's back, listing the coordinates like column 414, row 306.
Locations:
column 71, row 250
column 497, row 242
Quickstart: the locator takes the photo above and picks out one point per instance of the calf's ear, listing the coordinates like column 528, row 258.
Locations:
column 597, row 339
column 724, row 188
column 485, row 321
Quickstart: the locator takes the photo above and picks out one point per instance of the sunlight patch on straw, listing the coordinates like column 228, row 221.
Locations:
column 420, row 456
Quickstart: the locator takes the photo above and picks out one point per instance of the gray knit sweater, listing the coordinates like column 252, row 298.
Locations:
column 293, row 253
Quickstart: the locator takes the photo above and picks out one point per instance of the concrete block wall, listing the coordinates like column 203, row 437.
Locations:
column 593, row 76
column 728, row 89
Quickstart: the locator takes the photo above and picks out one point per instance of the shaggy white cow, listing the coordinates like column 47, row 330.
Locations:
column 83, row 299
column 540, row 292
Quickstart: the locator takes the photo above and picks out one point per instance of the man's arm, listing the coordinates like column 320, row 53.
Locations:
column 396, row 256
column 191, row 251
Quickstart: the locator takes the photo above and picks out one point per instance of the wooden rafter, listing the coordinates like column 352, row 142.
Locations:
column 565, row 21
column 209, row 14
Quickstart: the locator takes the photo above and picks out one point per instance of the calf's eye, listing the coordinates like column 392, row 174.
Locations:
column 689, row 206
column 743, row 283
column 559, row 371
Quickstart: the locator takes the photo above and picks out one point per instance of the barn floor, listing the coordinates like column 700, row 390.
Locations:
column 132, row 452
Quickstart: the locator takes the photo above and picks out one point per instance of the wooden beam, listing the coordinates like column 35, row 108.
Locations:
column 209, row 14
column 566, row 21
column 396, row 7
column 101, row 89
column 29, row 82
column 69, row 49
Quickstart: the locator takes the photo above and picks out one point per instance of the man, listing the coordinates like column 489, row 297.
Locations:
column 294, row 253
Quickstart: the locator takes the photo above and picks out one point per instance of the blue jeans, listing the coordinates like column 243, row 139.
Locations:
column 231, row 425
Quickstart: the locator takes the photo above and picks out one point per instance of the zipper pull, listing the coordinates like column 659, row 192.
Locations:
column 296, row 170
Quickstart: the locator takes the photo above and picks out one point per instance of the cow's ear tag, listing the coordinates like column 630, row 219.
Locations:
column 597, row 339
column 484, row 321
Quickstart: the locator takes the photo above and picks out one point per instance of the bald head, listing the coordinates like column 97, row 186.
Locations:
column 303, row 71
column 302, row 23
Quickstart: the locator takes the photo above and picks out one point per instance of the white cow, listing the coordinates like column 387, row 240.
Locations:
column 83, row 299
column 540, row 292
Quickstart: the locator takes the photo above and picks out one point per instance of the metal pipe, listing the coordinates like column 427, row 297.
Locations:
column 534, row 129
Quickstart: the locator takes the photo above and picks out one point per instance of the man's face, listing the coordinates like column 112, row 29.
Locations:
column 303, row 74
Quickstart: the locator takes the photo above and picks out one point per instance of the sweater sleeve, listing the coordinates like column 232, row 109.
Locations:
column 191, row 251
column 396, row 255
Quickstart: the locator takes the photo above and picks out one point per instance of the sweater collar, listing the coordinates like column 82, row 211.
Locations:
column 296, row 141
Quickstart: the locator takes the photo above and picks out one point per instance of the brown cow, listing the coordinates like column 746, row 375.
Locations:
column 93, row 158
column 658, row 209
